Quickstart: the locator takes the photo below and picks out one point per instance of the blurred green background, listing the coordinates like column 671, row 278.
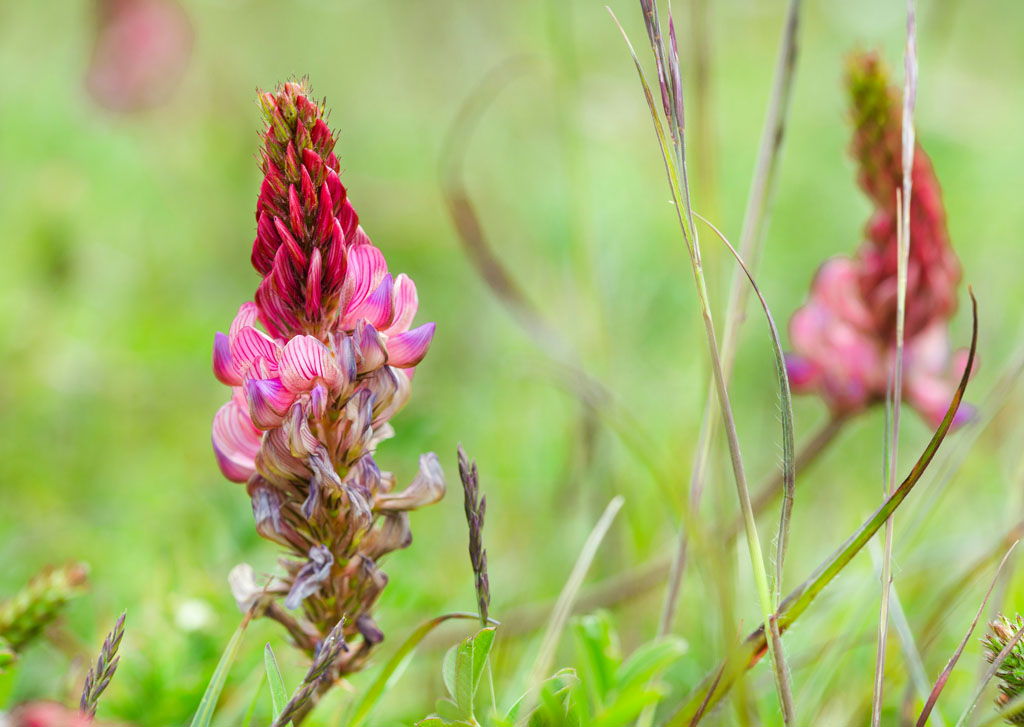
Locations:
column 126, row 242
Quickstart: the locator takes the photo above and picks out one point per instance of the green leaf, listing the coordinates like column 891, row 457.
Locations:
column 447, row 709
column 251, row 710
column 448, row 669
column 624, row 710
column 393, row 668
column 482, row 644
column 278, row 694
column 208, row 703
column 464, row 677
column 649, row 659
column 600, row 654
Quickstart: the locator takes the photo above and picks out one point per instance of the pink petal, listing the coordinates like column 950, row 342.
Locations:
column 406, row 304
column 803, row 373
column 366, row 269
column 246, row 316
column 305, row 361
column 408, row 349
column 378, row 308
column 249, row 345
column 235, row 441
column 223, row 368
column 268, row 401
column 369, row 347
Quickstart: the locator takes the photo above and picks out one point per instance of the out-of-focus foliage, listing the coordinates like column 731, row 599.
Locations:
column 126, row 241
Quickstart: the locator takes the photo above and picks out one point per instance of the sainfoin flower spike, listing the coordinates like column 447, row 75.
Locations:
column 318, row 364
column 844, row 336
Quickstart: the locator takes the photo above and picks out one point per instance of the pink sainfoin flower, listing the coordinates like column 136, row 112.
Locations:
column 141, row 51
column 845, row 335
column 313, row 391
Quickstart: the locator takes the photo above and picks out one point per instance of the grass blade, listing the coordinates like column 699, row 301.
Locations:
column 563, row 606
column 395, row 665
column 278, row 694
column 207, row 705
column 800, row 599
column 940, row 683
column 786, row 409
column 675, row 167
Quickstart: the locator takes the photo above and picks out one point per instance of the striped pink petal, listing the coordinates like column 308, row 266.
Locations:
column 249, row 345
column 235, row 441
column 406, row 304
column 268, row 401
column 366, row 269
column 408, row 349
column 305, row 361
column 223, row 367
column 246, row 316
column 379, row 306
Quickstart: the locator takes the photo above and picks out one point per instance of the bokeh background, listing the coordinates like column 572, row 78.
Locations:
column 125, row 245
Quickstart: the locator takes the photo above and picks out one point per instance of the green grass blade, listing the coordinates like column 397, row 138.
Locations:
column 563, row 607
column 207, row 705
column 754, row 646
column 395, row 665
column 278, row 694
column 251, row 709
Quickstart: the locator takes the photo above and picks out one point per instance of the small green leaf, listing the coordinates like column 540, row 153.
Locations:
column 393, row 668
column 464, row 677
column 278, row 694
column 649, row 659
column 600, row 655
column 447, row 709
column 207, row 705
column 482, row 644
column 448, row 669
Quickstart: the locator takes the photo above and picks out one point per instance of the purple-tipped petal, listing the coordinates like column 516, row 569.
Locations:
column 268, row 401
column 408, row 349
column 366, row 269
column 223, row 367
column 426, row 488
column 802, row 372
column 406, row 304
column 235, row 441
column 310, row 576
column 379, row 306
column 318, row 401
column 305, row 361
column 369, row 347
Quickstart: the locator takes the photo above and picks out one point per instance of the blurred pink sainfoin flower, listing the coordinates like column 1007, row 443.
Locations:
column 140, row 54
column 844, row 336
column 313, row 392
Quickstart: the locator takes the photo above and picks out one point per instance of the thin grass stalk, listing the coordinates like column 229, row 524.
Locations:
column 918, row 684
column 680, row 193
column 563, row 607
column 940, row 683
column 786, row 410
column 903, row 200
column 762, row 189
column 799, row 600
